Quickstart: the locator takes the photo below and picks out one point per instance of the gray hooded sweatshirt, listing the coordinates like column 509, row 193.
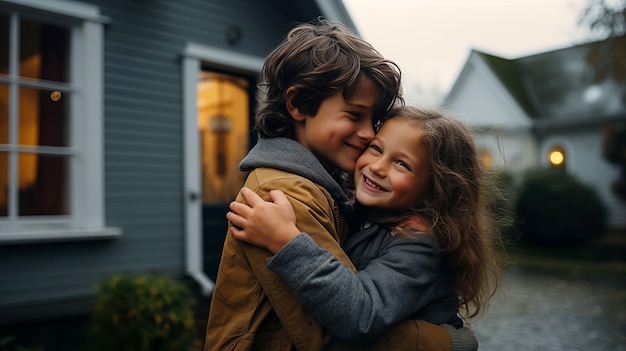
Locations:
column 290, row 156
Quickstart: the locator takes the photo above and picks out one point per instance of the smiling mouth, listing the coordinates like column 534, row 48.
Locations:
column 372, row 184
column 356, row 148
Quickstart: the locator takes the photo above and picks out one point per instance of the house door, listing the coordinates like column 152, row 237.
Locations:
column 223, row 132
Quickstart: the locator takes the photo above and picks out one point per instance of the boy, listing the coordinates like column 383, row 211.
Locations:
column 323, row 85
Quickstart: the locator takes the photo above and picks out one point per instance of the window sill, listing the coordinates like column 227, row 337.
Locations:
column 57, row 235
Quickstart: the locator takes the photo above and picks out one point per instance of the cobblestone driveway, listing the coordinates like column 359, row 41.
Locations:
column 539, row 311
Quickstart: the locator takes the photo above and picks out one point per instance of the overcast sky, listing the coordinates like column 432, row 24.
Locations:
column 431, row 39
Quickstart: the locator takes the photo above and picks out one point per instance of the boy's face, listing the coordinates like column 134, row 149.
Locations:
column 394, row 172
column 341, row 130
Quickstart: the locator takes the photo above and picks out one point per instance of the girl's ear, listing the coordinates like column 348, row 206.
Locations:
column 291, row 94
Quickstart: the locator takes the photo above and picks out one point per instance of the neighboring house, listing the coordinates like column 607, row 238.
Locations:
column 525, row 109
column 122, row 123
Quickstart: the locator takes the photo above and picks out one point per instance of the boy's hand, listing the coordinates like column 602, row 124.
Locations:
column 263, row 223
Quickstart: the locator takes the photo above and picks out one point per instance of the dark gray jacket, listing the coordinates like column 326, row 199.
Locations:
column 398, row 278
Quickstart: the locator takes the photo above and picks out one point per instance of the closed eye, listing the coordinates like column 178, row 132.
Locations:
column 404, row 164
column 355, row 116
column 375, row 148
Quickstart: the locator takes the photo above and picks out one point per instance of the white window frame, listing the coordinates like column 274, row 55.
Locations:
column 86, row 186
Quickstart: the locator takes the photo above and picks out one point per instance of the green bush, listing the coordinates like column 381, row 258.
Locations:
column 555, row 209
column 503, row 201
column 10, row 343
column 614, row 151
column 142, row 313
column 614, row 148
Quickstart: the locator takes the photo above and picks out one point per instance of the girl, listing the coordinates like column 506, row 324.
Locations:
column 426, row 250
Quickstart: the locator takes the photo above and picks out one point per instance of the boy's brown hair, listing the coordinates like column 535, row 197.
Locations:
column 319, row 59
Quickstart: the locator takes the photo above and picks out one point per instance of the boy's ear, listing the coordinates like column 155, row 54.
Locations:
column 291, row 94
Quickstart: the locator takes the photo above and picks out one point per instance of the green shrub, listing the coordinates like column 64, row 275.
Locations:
column 504, row 204
column 614, row 151
column 614, row 148
column 10, row 343
column 142, row 313
column 555, row 209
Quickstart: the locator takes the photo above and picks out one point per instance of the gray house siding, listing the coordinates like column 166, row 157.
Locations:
column 143, row 160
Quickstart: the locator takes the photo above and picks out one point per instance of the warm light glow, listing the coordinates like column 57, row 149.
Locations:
column 55, row 96
column 485, row 158
column 223, row 123
column 556, row 157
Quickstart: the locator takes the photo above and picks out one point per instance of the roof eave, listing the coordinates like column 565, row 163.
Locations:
column 335, row 10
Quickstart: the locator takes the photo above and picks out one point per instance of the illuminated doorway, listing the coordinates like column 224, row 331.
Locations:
column 219, row 97
column 223, row 126
column 224, row 118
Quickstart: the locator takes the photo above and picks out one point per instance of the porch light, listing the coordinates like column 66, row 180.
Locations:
column 556, row 156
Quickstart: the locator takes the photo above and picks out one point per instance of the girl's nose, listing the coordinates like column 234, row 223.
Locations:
column 378, row 167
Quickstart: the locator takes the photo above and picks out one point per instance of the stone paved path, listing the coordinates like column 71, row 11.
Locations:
column 540, row 311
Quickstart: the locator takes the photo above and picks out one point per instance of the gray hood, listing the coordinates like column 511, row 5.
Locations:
column 290, row 156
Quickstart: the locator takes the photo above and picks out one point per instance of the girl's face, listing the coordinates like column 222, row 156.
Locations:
column 394, row 171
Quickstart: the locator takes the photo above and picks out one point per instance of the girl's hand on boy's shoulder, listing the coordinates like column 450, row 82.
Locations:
column 268, row 224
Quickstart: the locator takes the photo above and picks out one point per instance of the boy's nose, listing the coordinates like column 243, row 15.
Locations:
column 366, row 131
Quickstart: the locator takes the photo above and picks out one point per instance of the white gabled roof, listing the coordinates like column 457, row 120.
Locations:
column 480, row 99
column 556, row 89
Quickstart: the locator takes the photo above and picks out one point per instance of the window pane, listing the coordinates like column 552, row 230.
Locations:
column 42, row 183
column 44, row 51
column 43, row 117
column 4, row 44
column 4, row 183
column 4, row 114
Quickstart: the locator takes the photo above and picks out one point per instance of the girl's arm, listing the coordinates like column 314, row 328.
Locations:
column 354, row 307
